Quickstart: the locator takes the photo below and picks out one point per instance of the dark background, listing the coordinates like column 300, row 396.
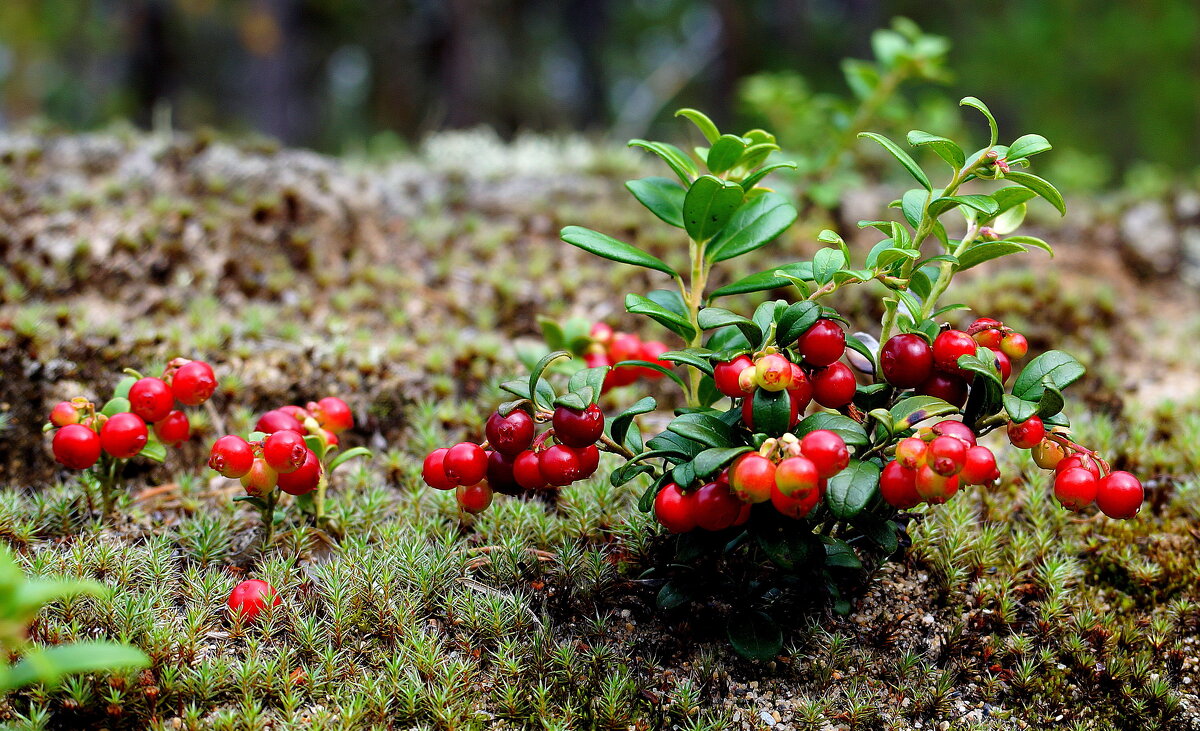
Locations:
column 1117, row 80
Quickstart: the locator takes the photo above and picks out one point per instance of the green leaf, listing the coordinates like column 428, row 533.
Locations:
column 912, row 205
column 711, row 318
column 123, row 386
column 661, row 196
column 1059, row 367
column 701, row 428
column 915, row 409
column 520, row 389
column 606, row 246
column 702, row 122
column 1032, row 241
column 654, row 367
column 725, row 152
column 772, row 412
column 154, row 451
column 694, row 357
column 756, row 155
column 766, row 280
column 755, row 224
column 848, row 429
column 825, row 262
column 945, row 148
column 674, row 594
column 711, row 460
column 907, row 162
column 970, row 101
column 986, row 251
column 1017, row 409
column 640, row 305
column 1012, row 196
column 1028, row 146
column 796, row 320
column 1039, row 186
column 787, row 547
column 590, row 378
column 619, row 426
column 708, row 206
column 682, row 165
column 858, row 346
column 850, row 491
column 49, row 665
column 754, row 635
column 982, row 203
column 535, row 376
column 839, row 554
column 349, row 454
column 677, row 446
column 118, row 405
column 1052, row 401
column 758, row 175
column 884, row 534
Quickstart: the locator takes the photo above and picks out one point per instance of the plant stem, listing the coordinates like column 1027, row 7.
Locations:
column 865, row 113
column 615, row 448
column 693, row 296
column 268, row 517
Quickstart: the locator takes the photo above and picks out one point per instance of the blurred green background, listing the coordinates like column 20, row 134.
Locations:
column 1113, row 83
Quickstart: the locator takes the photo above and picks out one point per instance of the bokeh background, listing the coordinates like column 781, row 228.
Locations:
column 1116, row 85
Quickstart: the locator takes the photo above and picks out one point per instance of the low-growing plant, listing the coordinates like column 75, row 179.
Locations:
column 744, row 470
column 101, row 442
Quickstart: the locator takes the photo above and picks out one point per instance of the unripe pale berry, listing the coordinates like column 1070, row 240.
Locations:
column 64, row 413
column 934, row 488
column 1048, row 454
column 910, row 452
column 796, row 475
column 1014, row 345
column 261, row 479
column 773, row 372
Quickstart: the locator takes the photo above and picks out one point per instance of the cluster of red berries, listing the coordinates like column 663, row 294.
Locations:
column 819, row 376
column 909, row 360
column 514, row 457
column 282, row 458
column 930, row 467
column 1081, row 479
column 609, row 348
column 83, row 433
column 789, row 472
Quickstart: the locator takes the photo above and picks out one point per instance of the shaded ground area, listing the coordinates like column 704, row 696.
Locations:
column 403, row 286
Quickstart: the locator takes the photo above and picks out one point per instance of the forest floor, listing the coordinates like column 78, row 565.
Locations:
column 405, row 287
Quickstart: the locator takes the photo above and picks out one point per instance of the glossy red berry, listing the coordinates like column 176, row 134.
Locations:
column 823, row 343
column 773, row 372
column 231, row 456
column 151, row 399
column 625, row 346
column 433, row 471
column 76, row 447
column 796, row 475
column 795, row 506
column 948, row 347
column 726, row 374
column 1075, row 489
column 651, row 349
column 251, row 597
column 1003, row 365
column 465, row 463
column 715, row 507
column 947, row 455
column 510, row 434
column 834, row 386
column 946, row 386
column 305, row 479
column 124, row 435
column 827, row 450
column 474, row 499
column 174, row 429
column 622, row 376
column 527, row 471
column 952, row 428
column 285, row 451
column 333, row 414
column 801, row 389
column 979, row 468
column 193, row 383
column 589, row 460
column 898, row 486
column 934, row 488
column 906, row 360
column 752, row 477
column 261, row 479
column 675, row 510
column 989, row 339
column 500, row 474
column 576, row 428
column 559, row 465
column 1119, row 495
column 64, row 413
column 1026, row 434
column 1014, row 345
column 1085, row 461
column 279, row 420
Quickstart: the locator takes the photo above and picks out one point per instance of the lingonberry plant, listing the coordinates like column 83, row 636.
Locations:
column 139, row 420
column 292, row 450
column 749, row 466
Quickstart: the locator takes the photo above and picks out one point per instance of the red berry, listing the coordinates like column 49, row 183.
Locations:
column 744, row 515
column 795, row 506
column 622, row 376
column 898, row 486
column 715, row 507
column 296, row 412
column 279, row 420
column 989, row 339
column 823, row 343
column 834, row 386
column 979, row 468
column 596, row 359
column 796, row 475
column 934, row 488
column 906, row 360
column 726, row 375
column 305, row 479
column 1003, row 365
column 948, row 347
column 947, row 455
column 433, row 471
column 500, row 474
column 651, row 349
column 251, row 597
column 510, row 435
column 752, row 477
column 174, row 429
column 910, row 452
column 1075, row 489
column 1014, row 345
column 332, row 413
column 1026, row 434
column 193, row 383
column 801, row 389
column 625, row 346
column 559, row 465
column 1119, row 495
column 946, row 386
column 601, row 332
column 124, row 435
column 952, row 428
column 1085, row 461
column 231, row 456
column 576, row 428
column 589, row 460
column 675, row 510
column 151, row 399
column 984, row 323
column 827, row 451
column 465, row 463
column 76, row 447
column 474, row 499
column 285, row 451
column 261, row 479
column 773, row 372
column 64, row 413
column 527, row 471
